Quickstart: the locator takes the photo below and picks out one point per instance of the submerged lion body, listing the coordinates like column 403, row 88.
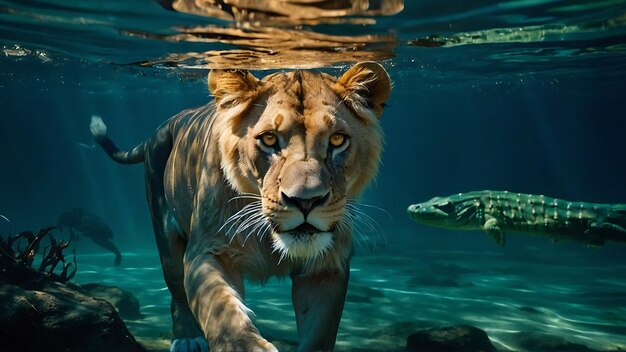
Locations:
column 254, row 185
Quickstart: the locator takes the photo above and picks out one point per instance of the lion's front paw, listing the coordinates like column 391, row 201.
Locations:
column 198, row 344
column 257, row 345
column 265, row 346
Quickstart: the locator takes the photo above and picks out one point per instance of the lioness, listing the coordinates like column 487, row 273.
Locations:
column 259, row 183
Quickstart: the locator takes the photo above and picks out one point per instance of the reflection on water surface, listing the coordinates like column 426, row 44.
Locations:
column 277, row 34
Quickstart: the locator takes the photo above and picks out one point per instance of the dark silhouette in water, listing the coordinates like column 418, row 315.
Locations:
column 81, row 222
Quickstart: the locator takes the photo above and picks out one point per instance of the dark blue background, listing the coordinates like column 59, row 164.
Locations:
column 454, row 123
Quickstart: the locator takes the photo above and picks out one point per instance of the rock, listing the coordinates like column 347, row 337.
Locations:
column 393, row 336
column 43, row 315
column 459, row 338
column 125, row 303
column 536, row 341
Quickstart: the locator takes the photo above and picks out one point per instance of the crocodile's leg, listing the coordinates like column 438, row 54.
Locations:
column 492, row 228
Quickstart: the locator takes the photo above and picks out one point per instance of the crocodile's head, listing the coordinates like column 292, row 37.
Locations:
column 447, row 212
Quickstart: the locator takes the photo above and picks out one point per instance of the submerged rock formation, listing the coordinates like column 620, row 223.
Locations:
column 460, row 338
column 41, row 311
column 124, row 302
column 44, row 315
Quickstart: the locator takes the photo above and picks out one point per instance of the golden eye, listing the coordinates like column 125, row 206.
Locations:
column 269, row 139
column 337, row 139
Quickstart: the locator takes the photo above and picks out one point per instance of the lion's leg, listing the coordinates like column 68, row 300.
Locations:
column 171, row 245
column 214, row 296
column 318, row 303
column 183, row 323
column 184, row 326
column 187, row 335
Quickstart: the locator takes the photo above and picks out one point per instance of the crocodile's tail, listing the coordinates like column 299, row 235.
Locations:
column 617, row 214
column 99, row 132
column 613, row 225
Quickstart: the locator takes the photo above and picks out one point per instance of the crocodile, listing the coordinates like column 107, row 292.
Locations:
column 497, row 212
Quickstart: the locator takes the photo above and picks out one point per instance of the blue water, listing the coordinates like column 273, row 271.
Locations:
column 526, row 96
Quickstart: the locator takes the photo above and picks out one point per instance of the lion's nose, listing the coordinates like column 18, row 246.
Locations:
column 305, row 205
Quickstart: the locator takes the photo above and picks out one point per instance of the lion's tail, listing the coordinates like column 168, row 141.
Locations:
column 99, row 132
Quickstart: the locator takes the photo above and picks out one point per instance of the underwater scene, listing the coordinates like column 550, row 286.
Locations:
column 490, row 217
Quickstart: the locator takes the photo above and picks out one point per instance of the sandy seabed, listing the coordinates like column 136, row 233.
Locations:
column 392, row 295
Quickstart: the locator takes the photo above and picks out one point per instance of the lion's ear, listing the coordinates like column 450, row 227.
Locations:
column 232, row 87
column 365, row 85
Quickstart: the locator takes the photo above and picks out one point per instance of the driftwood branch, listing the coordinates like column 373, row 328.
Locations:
column 17, row 262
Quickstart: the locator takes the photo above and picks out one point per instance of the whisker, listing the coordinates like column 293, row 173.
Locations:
column 255, row 224
column 267, row 228
column 262, row 228
column 368, row 221
column 249, row 194
column 245, row 196
column 239, row 215
column 255, row 228
column 359, row 237
column 248, row 222
column 363, row 223
column 365, row 218
column 241, row 221
column 373, row 207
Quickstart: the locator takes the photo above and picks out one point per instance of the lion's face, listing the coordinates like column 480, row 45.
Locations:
column 307, row 144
